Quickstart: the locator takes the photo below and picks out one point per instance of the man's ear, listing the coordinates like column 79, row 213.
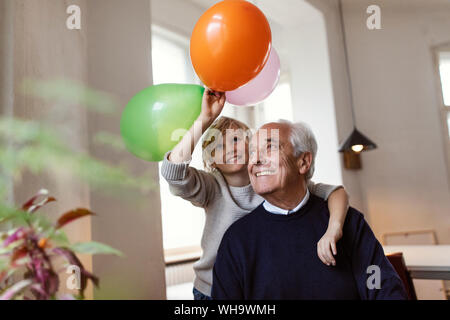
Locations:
column 304, row 162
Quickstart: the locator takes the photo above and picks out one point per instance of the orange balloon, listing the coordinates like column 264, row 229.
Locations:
column 230, row 44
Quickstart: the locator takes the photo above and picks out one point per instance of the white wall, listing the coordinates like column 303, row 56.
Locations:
column 311, row 88
column 178, row 16
column 403, row 184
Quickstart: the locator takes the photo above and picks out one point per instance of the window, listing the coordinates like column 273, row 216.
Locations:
column 279, row 104
column 443, row 58
column 444, row 74
column 448, row 123
column 444, row 71
column 182, row 222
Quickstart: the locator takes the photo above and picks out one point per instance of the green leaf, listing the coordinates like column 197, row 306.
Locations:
column 4, row 263
column 93, row 247
column 10, row 214
column 69, row 91
column 6, row 272
column 58, row 238
column 114, row 141
column 9, row 248
column 15, row 289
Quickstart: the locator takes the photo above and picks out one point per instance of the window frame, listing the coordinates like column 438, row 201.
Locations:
column 190, row 253
column 285, row 78
column 444, row 111
column 180, row 40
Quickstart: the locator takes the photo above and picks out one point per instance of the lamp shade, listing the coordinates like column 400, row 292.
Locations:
column 357, row 142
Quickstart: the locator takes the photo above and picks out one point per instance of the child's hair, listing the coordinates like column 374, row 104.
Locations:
column 219, row 127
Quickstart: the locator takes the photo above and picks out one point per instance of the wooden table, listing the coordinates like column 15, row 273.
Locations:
column 425, row 261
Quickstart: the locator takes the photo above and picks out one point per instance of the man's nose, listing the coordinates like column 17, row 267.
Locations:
column 256, row 158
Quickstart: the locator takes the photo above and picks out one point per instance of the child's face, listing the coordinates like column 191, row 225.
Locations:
column 230, row 155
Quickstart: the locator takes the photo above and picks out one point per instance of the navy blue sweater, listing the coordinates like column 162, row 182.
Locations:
column 269, row 256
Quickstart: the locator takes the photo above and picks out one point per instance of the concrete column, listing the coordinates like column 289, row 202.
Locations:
column 119, row 55
column 40, row 47
column 7, row 73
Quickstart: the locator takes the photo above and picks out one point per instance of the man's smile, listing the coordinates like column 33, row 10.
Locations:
column 265, row 173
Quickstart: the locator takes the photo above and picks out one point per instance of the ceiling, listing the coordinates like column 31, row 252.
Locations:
column 285, row 17
column 284, row 13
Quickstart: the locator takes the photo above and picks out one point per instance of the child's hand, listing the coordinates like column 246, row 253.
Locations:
column 212, row 105
column 326, row 247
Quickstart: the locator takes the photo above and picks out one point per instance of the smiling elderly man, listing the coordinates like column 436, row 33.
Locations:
column 271, row 252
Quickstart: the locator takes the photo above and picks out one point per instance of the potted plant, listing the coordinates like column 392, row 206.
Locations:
column 29, row 249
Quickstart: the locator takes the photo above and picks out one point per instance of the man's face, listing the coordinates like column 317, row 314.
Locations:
column 272, row 165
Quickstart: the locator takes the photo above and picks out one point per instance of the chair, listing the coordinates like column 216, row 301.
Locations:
column 397, row 261
column 426, row 289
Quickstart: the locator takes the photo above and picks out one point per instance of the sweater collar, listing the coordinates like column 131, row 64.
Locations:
column 277, row 210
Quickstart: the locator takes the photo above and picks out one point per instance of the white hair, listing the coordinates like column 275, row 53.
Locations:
column 303, row 140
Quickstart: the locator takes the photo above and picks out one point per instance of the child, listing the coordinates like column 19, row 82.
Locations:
column 224, row 189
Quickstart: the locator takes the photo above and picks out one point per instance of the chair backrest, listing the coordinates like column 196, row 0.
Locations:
column 425, row 289
column 397, row 261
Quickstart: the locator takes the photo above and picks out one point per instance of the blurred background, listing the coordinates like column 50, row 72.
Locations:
column 62, row 92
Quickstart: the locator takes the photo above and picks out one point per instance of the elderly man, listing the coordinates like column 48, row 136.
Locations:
column 271, row 252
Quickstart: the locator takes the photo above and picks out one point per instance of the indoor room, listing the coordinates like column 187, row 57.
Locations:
column 371, row 79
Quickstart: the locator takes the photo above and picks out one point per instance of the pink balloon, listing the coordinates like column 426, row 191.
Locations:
column 260, row 87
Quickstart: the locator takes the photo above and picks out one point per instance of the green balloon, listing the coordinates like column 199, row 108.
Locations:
column 152, row 119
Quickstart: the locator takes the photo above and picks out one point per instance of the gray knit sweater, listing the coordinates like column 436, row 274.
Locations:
column 223, row 205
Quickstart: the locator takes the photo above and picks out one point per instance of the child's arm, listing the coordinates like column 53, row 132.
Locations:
column 212, row 105
column 338, row 206
column 191, row 184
